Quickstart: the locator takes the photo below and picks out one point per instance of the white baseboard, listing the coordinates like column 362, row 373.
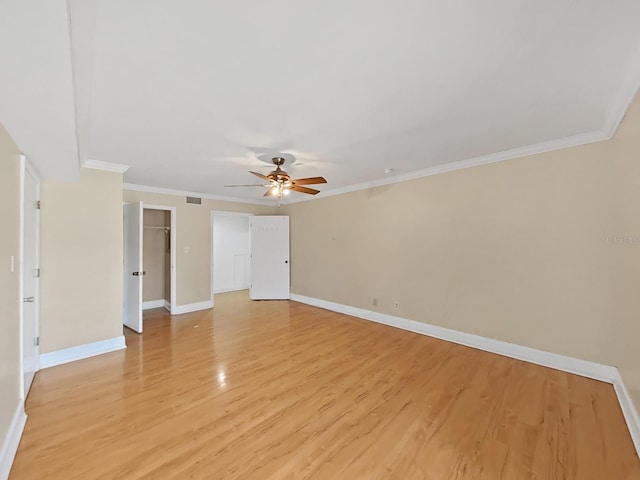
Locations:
column 167, row 305
column 228, row 290
column 12, row 440
column 629, row 411
column 153, row 304
column 191, row 307
column 584, row 368
column 72, row 354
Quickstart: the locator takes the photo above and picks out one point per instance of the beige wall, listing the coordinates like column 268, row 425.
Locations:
column 9, row 281
column 193, row 233
column 515, row 251
column 81, row 260
column 153, row 256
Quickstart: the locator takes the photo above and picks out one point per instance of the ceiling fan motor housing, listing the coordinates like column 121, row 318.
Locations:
column 278, row 175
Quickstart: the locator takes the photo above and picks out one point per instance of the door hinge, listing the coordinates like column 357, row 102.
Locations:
column 38, row 205
column 37, row 341
column 37, row 273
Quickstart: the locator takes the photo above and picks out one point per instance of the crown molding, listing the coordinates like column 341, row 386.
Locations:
column 543, row 147
column 106, row 166
column 184, row 193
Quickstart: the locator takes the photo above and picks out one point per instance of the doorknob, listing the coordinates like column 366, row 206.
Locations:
column 29, row 299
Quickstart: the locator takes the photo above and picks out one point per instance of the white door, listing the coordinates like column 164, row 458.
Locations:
column 269, row 257
column 132, row 314
column 30, row 280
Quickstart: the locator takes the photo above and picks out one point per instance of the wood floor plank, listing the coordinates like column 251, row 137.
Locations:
column 282, row 390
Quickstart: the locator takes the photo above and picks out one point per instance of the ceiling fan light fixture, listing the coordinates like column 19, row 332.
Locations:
column 279, row 183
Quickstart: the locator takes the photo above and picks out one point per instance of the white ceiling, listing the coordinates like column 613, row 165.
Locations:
column 191, row 94
column 36, row 87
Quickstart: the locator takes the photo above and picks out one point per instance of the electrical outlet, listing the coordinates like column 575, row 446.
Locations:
column 396, row 304
column 375, row 302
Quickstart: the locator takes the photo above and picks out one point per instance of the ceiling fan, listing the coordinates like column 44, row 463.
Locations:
column 280, row 183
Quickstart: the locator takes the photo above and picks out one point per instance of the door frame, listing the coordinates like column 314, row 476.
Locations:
column 225, row 213
column 172, row 241
column 27, row 168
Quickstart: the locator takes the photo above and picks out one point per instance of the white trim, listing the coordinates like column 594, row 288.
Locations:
column 584, row 368
column 227, row 213
column 153, row 206
column 629, row 411
column 31, row 169
column 173, row 233
column 542, row 147
column 229, row 290
column 87, row 350
column 23, row 161
column 153, row 304
column 184, row 193
column 12, row 440
column 38, row 263
column 167, row 305
column 27, row 169
column 191, row 307
column 106, row 166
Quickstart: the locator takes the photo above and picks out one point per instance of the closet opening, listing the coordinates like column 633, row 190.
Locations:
column 158, row 257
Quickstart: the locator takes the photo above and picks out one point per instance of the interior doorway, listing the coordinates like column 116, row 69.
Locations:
column 159, row 241
column 156, row 254
column 151, row 273
column 231, row 252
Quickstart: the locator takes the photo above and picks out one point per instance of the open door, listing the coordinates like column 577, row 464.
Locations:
column 269, row 257
column 30, row 278
column 132, row 314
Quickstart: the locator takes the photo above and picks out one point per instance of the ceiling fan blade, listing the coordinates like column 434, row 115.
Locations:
column 268, row 193
column 264, row 177
column 253, row 185
column 309, row 181
column 310, row 191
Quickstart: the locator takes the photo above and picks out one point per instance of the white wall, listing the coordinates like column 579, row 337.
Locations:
column 231, row 253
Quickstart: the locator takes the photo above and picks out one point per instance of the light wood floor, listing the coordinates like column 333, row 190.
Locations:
column 281, row 390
